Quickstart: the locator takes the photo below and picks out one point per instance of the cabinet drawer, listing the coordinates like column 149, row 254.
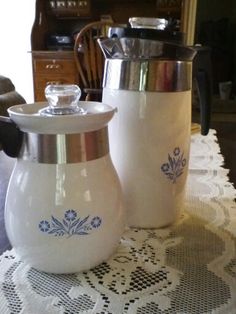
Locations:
column 47, row 66
column 55, row 79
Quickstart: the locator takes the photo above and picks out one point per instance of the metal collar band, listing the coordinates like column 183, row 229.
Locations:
column 64, row 148
column 148, row 75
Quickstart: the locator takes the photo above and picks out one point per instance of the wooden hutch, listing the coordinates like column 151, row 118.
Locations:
column 54, row 64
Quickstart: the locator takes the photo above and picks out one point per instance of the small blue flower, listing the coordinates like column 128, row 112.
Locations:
column 96, row 222
column 176, row 151
column 165, row 167
column 44, row 225
column 70, row 215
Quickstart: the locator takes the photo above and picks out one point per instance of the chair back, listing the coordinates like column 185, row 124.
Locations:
column 89, row 58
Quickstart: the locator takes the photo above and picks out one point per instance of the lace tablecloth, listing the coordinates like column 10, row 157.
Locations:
column 189, row 267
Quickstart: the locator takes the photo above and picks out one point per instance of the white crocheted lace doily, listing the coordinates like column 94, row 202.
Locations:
column 189, row 267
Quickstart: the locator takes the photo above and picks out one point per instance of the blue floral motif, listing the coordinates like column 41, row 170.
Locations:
column 70, row 215
column 70, row 225
column 96, row 222
column 44, row 226
column 174, row 168
column 176, row 151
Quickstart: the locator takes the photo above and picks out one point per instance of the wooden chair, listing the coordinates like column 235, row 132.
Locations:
column 89, row 59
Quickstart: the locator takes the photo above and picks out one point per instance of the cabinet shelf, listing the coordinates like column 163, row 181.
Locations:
column 53, row 17
column 69, row 8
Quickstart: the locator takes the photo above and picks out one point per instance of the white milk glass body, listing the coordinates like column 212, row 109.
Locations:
column 149, row 145
column 44, row 201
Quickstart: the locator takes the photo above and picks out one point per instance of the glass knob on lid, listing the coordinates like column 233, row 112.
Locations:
column 63, row 100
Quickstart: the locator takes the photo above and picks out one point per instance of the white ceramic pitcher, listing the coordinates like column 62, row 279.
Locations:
column 63, row 210
column 150, row 84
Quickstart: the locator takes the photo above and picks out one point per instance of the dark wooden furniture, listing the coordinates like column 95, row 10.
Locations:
column 50, row 67
column 89, row 58
column 68, row 17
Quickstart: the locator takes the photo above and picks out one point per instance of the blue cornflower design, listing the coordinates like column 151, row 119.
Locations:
column 96, row 222
column 44, row 225
column 70, row 215
column 71, row 225
column 174, row 168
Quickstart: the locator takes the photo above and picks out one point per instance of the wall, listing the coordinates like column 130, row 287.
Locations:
column 214, row 10
column 16, row 20
column 220, row 35
column 208, row 10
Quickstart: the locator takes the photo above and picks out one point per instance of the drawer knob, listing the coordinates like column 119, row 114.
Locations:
column 54, row 83
column 53, row 66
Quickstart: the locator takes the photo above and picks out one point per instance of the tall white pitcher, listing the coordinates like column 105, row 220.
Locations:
column 150, row 84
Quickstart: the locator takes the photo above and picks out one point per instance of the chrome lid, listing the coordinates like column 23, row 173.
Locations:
column 146, row 65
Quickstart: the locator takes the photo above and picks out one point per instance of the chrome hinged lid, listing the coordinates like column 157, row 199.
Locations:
column 146, row 65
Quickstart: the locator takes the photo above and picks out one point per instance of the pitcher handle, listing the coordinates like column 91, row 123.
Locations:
column 10, row 137
column 205, row 99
